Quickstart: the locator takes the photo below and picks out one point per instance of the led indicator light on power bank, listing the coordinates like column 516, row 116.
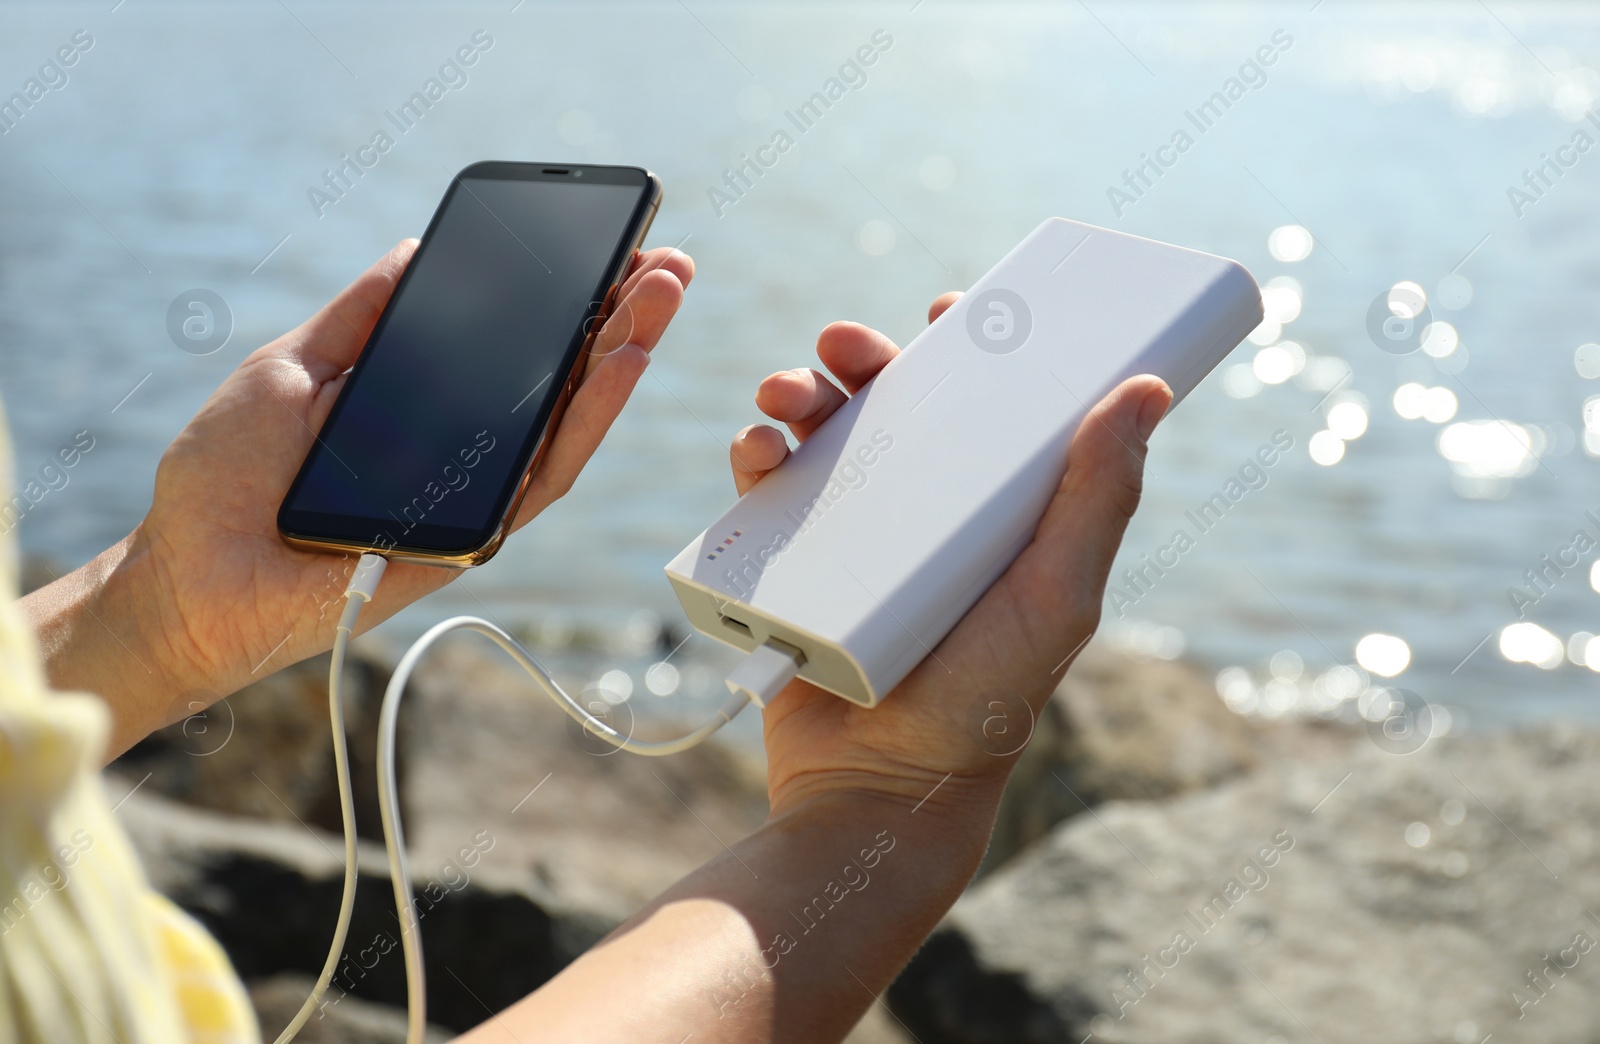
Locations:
column 712, row 557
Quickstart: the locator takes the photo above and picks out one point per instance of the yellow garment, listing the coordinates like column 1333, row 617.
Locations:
column 215, row 1007
column 88, row 952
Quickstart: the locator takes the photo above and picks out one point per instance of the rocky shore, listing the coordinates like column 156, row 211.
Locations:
column 1163, row 869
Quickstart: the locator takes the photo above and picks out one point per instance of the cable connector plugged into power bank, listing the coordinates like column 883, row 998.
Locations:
column 763, row 674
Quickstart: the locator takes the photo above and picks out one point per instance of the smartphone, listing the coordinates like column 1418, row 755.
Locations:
column 449, row 409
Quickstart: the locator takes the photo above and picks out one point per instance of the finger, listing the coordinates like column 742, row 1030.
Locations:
column 942, row 303
column 327, row 344
column 755, row 451
column 639, row 318
column 854, row 353
column 589, row 415
column 802, row 399
column 666, row 259
column 1072, row 550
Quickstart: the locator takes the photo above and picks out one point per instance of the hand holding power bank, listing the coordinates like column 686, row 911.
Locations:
column 872, row 540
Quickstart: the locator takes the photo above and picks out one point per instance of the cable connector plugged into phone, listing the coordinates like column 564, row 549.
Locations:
column 765, row 671
column 364, row 581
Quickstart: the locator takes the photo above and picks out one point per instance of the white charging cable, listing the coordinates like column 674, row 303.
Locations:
column 363, row 583
column 756, row 680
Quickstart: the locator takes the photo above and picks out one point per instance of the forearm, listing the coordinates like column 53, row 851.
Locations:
column 787, row 936
column 100, row 631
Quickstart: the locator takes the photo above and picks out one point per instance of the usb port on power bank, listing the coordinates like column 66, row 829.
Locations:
column 737, row 627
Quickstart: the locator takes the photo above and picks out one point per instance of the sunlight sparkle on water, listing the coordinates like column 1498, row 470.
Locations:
column 1527, row 642
column 1383, row 654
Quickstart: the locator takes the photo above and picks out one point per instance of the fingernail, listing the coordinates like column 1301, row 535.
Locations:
column 1151, row 410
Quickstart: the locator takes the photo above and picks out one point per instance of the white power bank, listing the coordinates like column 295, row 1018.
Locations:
column 879, row 532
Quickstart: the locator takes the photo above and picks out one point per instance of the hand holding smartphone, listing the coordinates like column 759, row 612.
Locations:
column 450, row 407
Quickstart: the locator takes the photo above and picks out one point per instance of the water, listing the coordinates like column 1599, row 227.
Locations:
column 180, row 152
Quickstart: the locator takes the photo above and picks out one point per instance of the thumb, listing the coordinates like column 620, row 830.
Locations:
column 1083, row 526
column 327, row 344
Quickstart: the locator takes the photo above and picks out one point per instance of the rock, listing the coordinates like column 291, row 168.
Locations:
column 1124, row 727
column 270, row 894
column 351, row 1021
column 581, row 835
column 1439, row 896
column 267, row 752
column 1138, row 728
column 571, row 842
column 878, row 1026
column 605, row 830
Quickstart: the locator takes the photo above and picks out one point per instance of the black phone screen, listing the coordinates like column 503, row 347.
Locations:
column 429, row 439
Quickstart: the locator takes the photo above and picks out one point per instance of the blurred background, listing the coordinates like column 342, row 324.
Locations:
column 1411, row 183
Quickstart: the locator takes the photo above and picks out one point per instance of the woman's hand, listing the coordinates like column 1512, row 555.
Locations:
column 204, row 596
column 951, row 731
